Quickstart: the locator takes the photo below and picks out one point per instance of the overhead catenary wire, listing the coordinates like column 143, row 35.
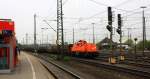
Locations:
column 138, row 12
column 102, row 4
column 63, row 4
column 49, row 25
column 123, row 3
column 102, row 12
column 99, row 13
column 93, row 16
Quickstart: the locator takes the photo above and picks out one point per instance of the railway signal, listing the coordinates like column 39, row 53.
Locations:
column 109, row 28
column 119, row 31
column 119, row 24
column 112, row 59
column 135, row 39
column 109, row 16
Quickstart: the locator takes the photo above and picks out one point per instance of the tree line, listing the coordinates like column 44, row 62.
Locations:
column 139, row 44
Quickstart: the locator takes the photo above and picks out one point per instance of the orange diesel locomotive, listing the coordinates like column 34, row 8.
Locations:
column 8, row 51
column 82, row 48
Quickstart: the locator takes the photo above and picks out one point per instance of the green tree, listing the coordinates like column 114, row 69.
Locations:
column 140, row 45
column 130, row 42
column 148, row 44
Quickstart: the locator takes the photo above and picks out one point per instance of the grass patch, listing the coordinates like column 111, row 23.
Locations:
column 66, row 58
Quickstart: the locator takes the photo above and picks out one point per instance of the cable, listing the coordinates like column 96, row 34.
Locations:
column 136, row 12
column 62, row 5
column 125, row 2
column 113, row 7
column 99, row 13
column 107, row 5
column 49, row 25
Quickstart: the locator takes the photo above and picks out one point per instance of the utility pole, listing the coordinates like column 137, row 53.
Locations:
column 23, row 41
column 26, row 38
column 60, row 33
column 144, row 32
column 47, row 39
column 42, row 43
column 35, row 45
column 73, row 36
column 93, row 33
column 129, row 35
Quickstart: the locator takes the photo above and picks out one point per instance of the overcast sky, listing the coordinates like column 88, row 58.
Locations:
column 78, row 14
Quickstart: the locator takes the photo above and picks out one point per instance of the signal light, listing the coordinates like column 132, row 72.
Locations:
column 109, row 16
column 119, row 21
column 119, row 24
column 119, row 31
column 109, row 28
column 135, row 39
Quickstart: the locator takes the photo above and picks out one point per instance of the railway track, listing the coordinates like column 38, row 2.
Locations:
column 126, row 68
column 96, row 72
column 143, row 63
column 56, row 70
column 137, row 62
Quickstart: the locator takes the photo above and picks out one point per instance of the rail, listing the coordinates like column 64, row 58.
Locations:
column 58, row 66
column 133, row 71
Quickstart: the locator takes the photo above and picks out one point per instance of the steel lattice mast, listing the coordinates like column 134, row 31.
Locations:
column 60, row 34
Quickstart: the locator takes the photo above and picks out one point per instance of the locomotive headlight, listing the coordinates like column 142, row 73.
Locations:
column 94, row 48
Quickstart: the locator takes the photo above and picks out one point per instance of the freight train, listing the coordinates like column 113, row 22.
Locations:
column 80, row 48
